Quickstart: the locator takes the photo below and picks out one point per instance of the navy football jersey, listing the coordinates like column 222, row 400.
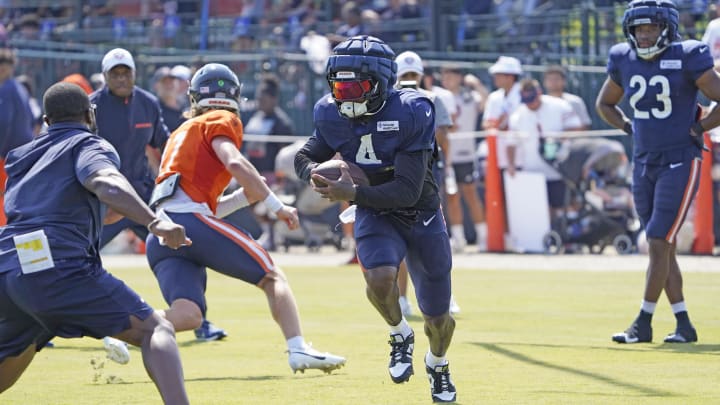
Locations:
column 663, row 96
column 130, row 124
column 405, row 124
column 45, row 191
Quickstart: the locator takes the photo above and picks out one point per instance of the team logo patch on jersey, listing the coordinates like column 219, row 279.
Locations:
column 675, row 64
column 388, row 126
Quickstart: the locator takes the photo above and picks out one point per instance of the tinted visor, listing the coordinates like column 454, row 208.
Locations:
column 351, row 90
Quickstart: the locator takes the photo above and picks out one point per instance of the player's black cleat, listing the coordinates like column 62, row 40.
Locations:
column 637, row 333
column 442, row 388
column 682, row 335
column 401, row 351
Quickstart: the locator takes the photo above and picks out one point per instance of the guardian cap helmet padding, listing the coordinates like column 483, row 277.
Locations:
column 361, row 73
column 661, row 12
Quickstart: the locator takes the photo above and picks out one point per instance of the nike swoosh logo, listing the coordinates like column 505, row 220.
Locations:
column 428, row 112
column 674, row 165
column 311, row 355
column 427, row 222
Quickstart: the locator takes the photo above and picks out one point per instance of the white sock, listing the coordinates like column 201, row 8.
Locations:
column 403, row 328
column 678, row 307
column 297, row 342
column 481, row 231
column 458, row 232
column 648, row 306
column 432, row 360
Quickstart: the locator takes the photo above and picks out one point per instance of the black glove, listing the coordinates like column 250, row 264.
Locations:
column 627, row 128
column 697, row 134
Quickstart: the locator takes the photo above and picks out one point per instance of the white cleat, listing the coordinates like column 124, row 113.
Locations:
column 454, row 307
column 309, row 358
column 116, row 350
column 458, row 245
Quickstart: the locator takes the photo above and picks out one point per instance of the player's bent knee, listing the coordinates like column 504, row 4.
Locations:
column 184, row 314
column 381, row 278
column 272, row 279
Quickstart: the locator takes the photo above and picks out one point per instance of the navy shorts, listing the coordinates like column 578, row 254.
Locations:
column 466, row 173
column 383, row 240
column 663, row 194
column 75, row 298
column 217, row 244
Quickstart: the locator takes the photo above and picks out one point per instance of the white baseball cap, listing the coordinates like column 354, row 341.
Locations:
column 117, row 56
column 506, row 65
column 181, row 72
column 409, row 61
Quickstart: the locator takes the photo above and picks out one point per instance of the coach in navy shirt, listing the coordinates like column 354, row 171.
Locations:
column 131, row 120
column 52, row 282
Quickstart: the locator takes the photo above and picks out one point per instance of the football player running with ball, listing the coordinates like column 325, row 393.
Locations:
column 661, row 76
column 390, row 134
column 200, row 159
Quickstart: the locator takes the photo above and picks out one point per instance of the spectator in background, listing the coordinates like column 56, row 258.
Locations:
column 352, row 16
column 400, row 10
column 269, row 119
column 130, row 119
column 502, row 102
column 182, row 75
column 712, row 33
column 554, row 81
column 80, row 80
column 166, row 90
column 243, row 42
column 97, row 80
column 35, row 108
column 16, row 118
column 28, row 27
column 461, row 158
column 538, row 118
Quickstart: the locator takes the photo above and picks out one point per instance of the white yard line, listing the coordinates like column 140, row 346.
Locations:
column 486, row 261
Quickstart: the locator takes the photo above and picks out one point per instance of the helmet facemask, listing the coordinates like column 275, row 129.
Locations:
column 353, row 94
column 660, row 43
column 660, row 12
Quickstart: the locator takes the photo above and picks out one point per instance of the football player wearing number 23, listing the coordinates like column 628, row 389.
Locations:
column 390, row 134
column 661, row 76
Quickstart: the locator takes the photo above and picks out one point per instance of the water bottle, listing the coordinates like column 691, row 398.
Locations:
column 450, row 183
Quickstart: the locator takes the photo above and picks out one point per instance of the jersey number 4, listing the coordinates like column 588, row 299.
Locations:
column 662, row 96
column 366, row 152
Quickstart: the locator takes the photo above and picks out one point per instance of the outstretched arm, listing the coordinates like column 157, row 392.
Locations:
column 113, row 189
column 253, row 185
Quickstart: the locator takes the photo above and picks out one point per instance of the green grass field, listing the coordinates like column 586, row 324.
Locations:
column 523, row 337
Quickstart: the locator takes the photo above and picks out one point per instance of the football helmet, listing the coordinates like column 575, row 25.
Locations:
column 361, row 72
column 216, row 86
column 662, row 12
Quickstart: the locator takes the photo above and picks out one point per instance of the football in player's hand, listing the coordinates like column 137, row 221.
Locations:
column 331, row 170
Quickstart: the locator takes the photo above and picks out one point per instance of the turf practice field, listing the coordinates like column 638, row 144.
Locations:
column 533, row 330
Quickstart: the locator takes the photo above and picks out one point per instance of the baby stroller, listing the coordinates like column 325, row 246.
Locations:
column 318, row 216
column 598, row 208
